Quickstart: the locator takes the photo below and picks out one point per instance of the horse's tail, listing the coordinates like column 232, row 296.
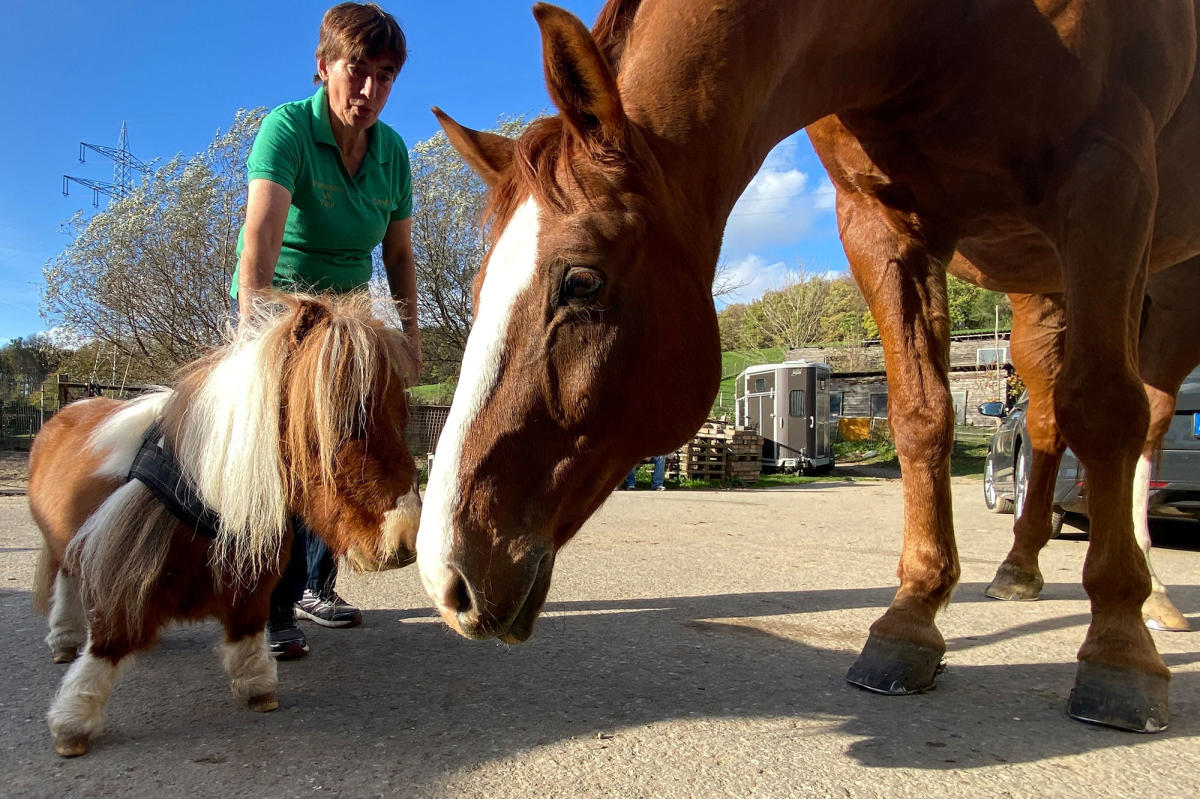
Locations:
column 119, row 553
column 43, row 579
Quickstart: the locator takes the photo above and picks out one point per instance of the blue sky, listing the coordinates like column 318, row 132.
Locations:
column 177, row 72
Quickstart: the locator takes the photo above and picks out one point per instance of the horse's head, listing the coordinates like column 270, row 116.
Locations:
column 594, row 342
column 344, row 412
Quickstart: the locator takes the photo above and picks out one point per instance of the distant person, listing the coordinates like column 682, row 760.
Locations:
column 656, row 478
column 328, row 183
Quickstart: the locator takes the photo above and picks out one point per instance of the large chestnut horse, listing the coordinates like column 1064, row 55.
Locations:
column 1051, row 143
column 303, row 413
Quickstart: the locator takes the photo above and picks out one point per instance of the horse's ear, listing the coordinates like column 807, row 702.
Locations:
column 580, row 80
column 488, row 154
column 308, row 314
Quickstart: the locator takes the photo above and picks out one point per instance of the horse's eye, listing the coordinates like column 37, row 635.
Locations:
column 580, row 284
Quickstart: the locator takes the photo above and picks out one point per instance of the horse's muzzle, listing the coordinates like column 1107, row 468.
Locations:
column 477, row 615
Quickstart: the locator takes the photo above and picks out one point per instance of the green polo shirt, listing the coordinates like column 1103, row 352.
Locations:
column 335, row 220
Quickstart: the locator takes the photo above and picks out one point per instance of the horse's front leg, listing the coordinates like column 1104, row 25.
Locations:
column 1037, row 342
column 905, row 286
column 1103, row 227
column 252, row 673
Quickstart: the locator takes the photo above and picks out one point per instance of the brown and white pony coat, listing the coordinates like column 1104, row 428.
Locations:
column 301, row 414
column 1052, row 144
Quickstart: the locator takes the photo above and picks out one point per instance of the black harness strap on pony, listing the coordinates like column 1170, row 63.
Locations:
column 156, row 467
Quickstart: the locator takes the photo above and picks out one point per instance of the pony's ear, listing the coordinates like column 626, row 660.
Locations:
column 308, row 314
column 580, row 80
column 488, row 154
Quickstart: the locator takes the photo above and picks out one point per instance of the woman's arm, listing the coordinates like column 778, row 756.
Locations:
column 267, row 206
column 401, row 270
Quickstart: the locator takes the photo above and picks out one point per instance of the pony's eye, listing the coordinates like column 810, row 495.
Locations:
column 580, row 284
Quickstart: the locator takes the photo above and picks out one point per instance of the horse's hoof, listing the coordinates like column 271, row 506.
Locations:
column 895, row 667
column 72, row 745
column 1160, row 613
column 264, row 703
column 65, row 654
column 1012, row 583
column 1122, row 698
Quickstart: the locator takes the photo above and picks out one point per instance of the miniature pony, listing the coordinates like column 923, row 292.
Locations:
column 301, row 414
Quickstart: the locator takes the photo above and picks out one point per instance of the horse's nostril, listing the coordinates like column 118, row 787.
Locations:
column 458, row 596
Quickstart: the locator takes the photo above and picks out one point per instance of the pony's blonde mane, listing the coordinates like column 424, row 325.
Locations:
column 321, row 358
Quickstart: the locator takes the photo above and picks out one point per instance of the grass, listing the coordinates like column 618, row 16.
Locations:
column 966, row 459
column 732, row 364
column 432, row 394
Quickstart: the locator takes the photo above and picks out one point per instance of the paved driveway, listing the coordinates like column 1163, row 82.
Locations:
column 695, row 645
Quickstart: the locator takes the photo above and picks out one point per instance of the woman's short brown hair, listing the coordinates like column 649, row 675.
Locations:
column 361, row 31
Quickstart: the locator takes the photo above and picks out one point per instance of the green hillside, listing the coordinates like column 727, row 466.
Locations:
column 732, row 363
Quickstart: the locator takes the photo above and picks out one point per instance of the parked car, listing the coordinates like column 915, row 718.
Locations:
column 1174, row 481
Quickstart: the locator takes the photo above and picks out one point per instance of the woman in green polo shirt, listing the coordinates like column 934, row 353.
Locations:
column 328, row 183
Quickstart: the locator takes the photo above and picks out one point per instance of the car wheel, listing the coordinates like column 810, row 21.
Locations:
column 994, row 503
column 1020, row 481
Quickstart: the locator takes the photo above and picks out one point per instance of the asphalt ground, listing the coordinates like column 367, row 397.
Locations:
column 694, row 645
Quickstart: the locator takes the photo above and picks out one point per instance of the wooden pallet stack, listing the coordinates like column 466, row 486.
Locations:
column 743, row 456
column 720, row 452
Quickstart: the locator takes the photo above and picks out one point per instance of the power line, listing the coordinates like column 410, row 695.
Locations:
column 125, row 164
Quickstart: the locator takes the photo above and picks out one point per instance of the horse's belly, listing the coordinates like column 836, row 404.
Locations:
column 1009, row 256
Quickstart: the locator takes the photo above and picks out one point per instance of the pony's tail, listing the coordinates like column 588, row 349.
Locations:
column 43, row 579
column 119, row 554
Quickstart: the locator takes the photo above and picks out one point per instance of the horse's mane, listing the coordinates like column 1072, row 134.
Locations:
column 543, row 162
column 611, row 29
column 254, row 420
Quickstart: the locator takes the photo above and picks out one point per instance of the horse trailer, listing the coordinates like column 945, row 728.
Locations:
column 788, row 404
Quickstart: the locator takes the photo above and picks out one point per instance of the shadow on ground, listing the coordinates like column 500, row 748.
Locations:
column 404, row 697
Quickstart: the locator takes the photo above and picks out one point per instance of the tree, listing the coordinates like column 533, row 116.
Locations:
column 790, row 316
column 449, row 246
column 25, row 363
column 972, row 307
column 730, row 323
column 149, row 275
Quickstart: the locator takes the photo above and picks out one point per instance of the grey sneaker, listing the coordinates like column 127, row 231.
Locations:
column 285, row 640
column 328, row 610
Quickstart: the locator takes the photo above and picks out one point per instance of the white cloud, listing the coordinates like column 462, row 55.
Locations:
column 779, row 206
column 752, row 276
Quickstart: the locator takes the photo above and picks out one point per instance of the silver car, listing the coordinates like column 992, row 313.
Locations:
column 1174, row 482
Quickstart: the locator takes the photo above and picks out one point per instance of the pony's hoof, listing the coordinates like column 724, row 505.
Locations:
column 65, row 654
column 1012, row 583
column 895, row 667
column 1160, row 613
column 264, row 703
column 1122, row 698
column 72, row 745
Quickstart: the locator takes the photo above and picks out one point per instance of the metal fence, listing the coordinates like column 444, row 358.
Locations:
column 19, row 422
column 425, row 423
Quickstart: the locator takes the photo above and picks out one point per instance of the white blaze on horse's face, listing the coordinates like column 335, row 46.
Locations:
column 510, row 271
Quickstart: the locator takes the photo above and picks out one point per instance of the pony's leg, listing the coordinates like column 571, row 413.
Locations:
column 68, row 621
column 77, row 714
column 905, row 286
column 252, row 672
column 1037, row 342
column 1103, row 230
column 253, row 677
column 1169, row 350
